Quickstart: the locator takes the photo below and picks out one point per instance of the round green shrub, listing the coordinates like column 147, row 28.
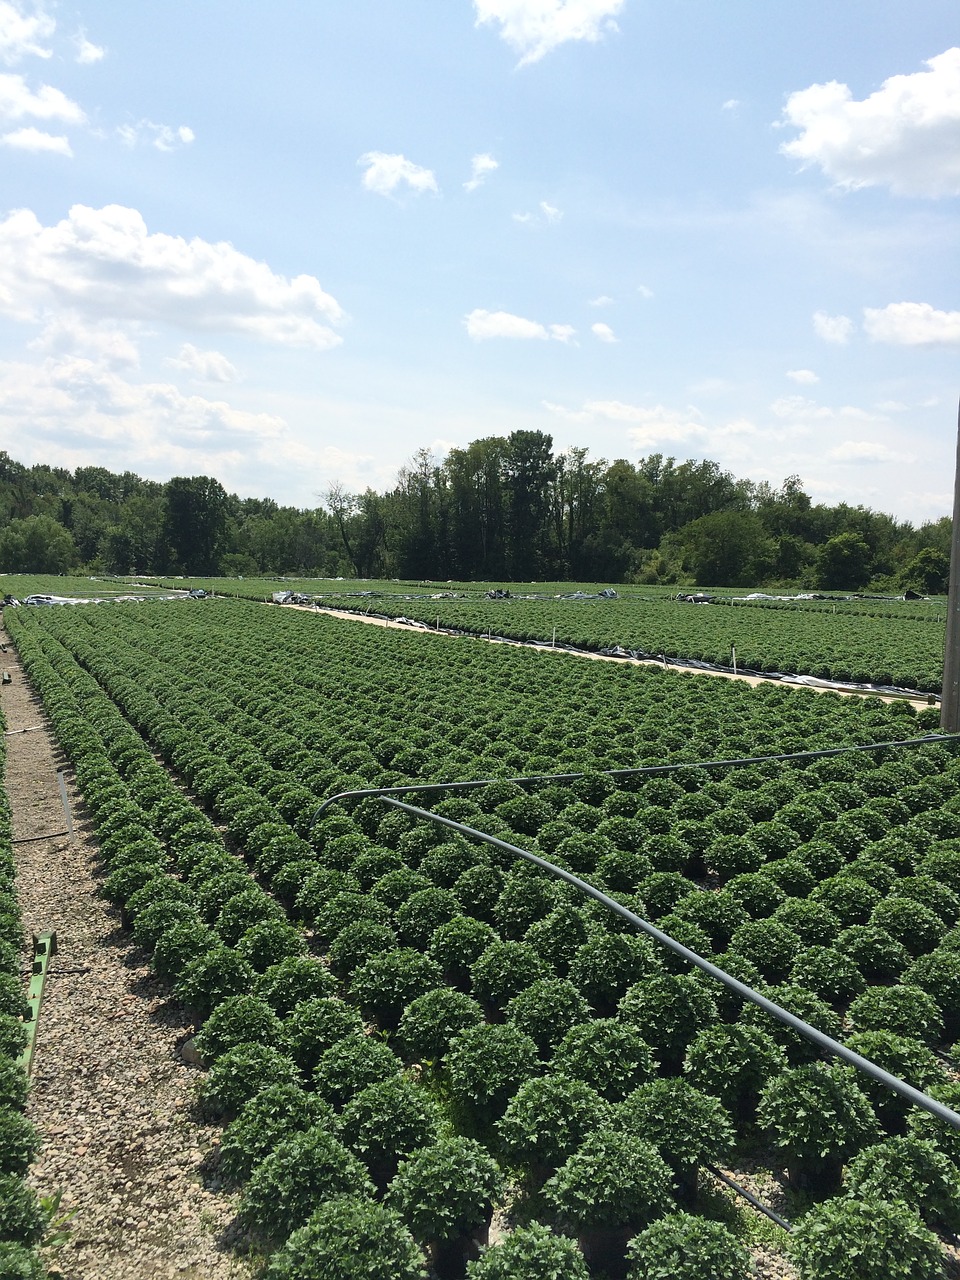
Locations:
column 878, row 955
column 181, row 944
column 478, row 889
column 680, row 1246
column 718, row 914
column 769, row 945
column 13, row 998
column 828, row 973
column 430, row 1022
column 546, row 1010
column 939, row 975
column 668, row 1010
column 611, row 1180
column 905, row 1010
column 317, row 1023
column 358, row 943
column 422, row 913
column 802, row 1003
column 213, row 977
column 530, row 1253
column 275, row 1113
column 21, row 1215
column 388, row 1120
column 486, row 1065
column 734, row 1063
column 607, row 1054
column 238, row 1020
column 268, row 942
column 18, row 1262
column 503, row 970
column 447, row 1189
column 903, row 1057
column 456, row 945
column 293, row 980
column 604, row 967
column 300, row 1175
column 913, row 1172
column 240, row 1073
column 19, row 1141
column 758, row 891
column 557, row 937
column 386, row 983
column 911, row 923
column 14, row 1083
column 844, row 1239
column 818, row 1118
column 546, row 1120
column 350, row 1065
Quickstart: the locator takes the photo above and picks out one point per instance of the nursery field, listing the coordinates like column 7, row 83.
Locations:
column 885, row 642
column 406, row 1031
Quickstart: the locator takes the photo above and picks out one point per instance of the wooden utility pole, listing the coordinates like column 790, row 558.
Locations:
column 950, row 698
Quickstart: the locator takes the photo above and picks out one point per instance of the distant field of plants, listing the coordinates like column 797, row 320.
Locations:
column 412, row 1029
column 878, row 641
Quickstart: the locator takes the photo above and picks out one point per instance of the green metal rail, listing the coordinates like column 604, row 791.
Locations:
column 44, row 949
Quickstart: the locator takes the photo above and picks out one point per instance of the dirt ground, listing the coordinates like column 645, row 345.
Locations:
column 111, row 1096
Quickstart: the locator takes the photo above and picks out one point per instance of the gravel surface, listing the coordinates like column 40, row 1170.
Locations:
column 111, row 1095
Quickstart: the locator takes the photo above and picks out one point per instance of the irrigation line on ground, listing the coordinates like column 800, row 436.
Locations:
column 811, row 1033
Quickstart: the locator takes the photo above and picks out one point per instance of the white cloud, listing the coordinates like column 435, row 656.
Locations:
column 68, row 334
column 867, row 451
column 203, row 366
column 905, row 136
column 548, row 215
column 731, row 104
column 604, row 332
column 563, row 333
column 534, row 27
column 31, row 139
column 162, row 136
column 480, row 166
column 802, row 375
column 385, row 173
column 83, row 413
column 644, row 292
column 103, row 263
column 912, row 324
column 835, row 329
column 87, row 52
column 501, row 324
column 602, row 301
column 17, row 101
column 20, row 33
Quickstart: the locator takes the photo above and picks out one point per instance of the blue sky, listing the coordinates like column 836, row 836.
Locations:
column 289, row 246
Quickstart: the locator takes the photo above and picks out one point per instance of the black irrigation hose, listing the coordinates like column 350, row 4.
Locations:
column 51, row 835
column 811, row 1033
column 379, row 792
column 750, row 1198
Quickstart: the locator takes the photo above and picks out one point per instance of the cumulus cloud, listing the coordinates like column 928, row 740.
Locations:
column 68, row 334
column 644, row 292
column 501, row 324
column 604, row 300
column 386, row 174
column 87, row 52
column 480, row 166
column 905, row 136
column 21, row 33
column 867, row 451
column 19, row 101
column 162, row 136
column 30, row 139
column 802, row 375
column 534, row 27
column 203, row 366
column 836, row 329
column 731, row 104
column 104, row 264
column 912, row 324
column 604, row 332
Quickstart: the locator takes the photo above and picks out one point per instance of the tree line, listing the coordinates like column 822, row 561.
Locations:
column 504, row 508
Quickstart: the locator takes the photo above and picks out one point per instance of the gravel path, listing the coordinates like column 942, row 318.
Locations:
column 111, row 1095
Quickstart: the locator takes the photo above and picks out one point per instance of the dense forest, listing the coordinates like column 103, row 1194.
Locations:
column 503, row 508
